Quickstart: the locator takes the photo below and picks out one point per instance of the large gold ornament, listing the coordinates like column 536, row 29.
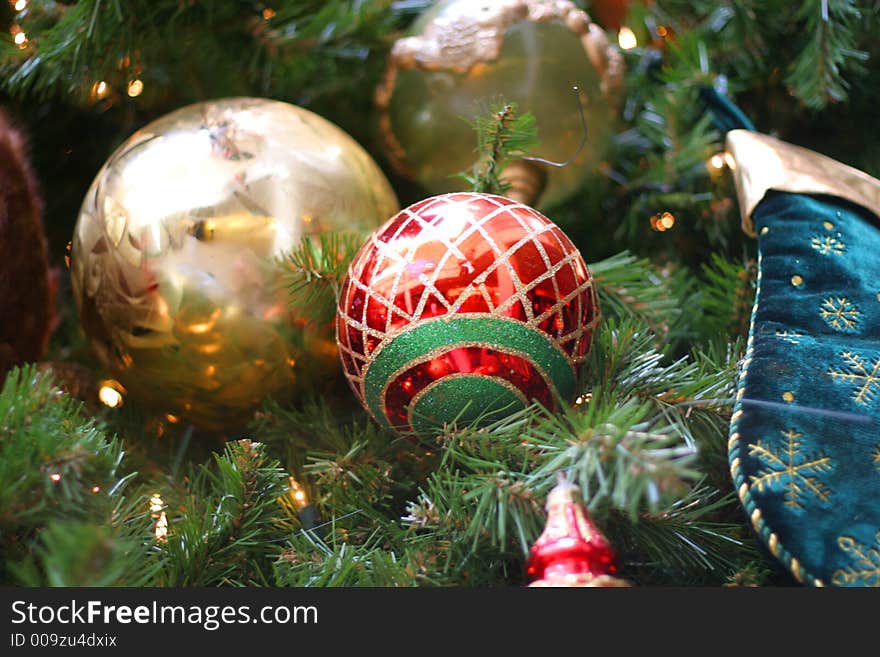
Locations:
column 175, row 257
column 461, row 55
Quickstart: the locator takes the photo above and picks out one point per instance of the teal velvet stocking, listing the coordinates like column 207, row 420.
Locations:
column 805, row 434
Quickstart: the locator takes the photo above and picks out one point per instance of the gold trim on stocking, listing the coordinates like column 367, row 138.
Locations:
column 762, row 163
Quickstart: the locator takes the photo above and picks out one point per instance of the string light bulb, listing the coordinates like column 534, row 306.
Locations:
column 135, row 88
column 111, row 393
column 55, row 476
column 663, row 221
column 157, row 513
column 99, row 90
column 717, row 161
column 162, row 528
column 297, row 494
column 20, row 5
column 626, row 38
column 19, row 38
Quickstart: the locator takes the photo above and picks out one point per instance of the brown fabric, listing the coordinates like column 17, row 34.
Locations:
column 26, row 294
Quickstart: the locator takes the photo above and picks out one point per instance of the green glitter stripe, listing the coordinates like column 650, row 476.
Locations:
column 443, row 334
column 464, row 398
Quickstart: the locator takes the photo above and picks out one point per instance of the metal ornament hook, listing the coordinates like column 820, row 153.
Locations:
column 576, row 90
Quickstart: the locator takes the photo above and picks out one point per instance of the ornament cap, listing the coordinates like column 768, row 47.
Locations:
column 571, row 551
column 527, row 181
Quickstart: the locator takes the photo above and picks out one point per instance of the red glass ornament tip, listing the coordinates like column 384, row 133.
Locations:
column 571, row 551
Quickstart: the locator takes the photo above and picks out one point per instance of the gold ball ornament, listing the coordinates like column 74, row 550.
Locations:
column 461, row 55
column 176, row 256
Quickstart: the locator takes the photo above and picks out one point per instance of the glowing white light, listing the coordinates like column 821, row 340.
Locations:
column 627, row 38
column 110, row 395
column 135, row 88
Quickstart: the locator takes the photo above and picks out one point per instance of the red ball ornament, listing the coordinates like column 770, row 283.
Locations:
column 464, row 308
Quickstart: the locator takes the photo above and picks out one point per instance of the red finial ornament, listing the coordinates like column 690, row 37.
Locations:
column 571, row 551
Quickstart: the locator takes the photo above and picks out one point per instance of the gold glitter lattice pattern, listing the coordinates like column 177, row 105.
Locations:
column 465, row 255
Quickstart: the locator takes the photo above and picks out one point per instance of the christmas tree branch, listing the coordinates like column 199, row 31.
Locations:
column 61, row 492
column 726, row 297
column 684, row 542
column 634, row 287
column 502, row 135
column 232, row 525
column 818, row 75
column 309, row 561
column 314, row 271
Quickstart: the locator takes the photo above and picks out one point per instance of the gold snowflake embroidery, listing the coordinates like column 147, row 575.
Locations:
column 840, row 313
column 865, row 568
column 876, row 456
column 792, row 469
column 860, row 372
column 827, row 245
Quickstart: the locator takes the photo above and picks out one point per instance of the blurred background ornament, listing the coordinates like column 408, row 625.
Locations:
column 610, row 14
column 461, row 55
column 464, row 308
column 176, row 257
column 26, row 287
column 571, row 551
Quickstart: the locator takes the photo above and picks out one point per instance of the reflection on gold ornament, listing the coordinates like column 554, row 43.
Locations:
column 462, row 55
column 175, row 257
